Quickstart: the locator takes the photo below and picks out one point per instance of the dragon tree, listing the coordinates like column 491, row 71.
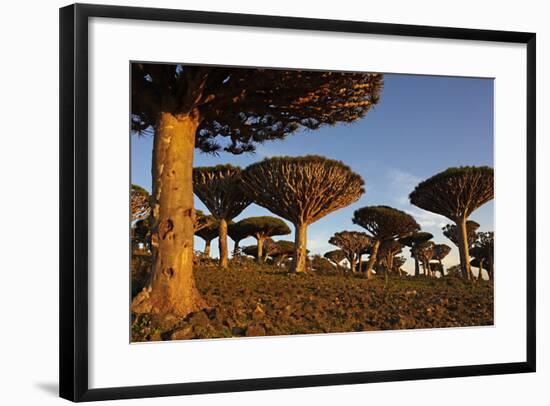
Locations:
column 386, row 253
column 383, row 223
column 455, row 193
column 208, row 233
column 483, row 251
column 440, row 251
column 187, row 107
column 412, row 241
column 352, row 244
column 302, row 190
column 424, row 252
column 220, row 189
column 335, row 256
column 262, row 228
column 237, row 234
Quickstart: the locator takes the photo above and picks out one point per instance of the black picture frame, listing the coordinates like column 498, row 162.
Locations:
column 74, row 201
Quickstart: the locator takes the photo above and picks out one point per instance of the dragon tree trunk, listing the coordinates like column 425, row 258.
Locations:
column 300, row 255
column 223, row 244
column 207, row 244
column 260, row 250
column 416, row 266
column 236, row 247
column 353, row 263
column 171, row 291
column 372, row 259
column 490, row 269
column 463, row 248
column 441, row 268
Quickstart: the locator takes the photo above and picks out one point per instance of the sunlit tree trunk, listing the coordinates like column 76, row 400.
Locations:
column 260, row 250
column 463, row 248
column 223, row 244
column 172, row 288
column 300, row 256
column 372, row 259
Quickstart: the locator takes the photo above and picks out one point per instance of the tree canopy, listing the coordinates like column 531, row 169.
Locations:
column 209, row 232
column 248, row 105
column 456, row 192
column 385, row 223
column 440, row 251
column 220, row 189
column 263, row 226
column 335, row 256
column 302, row 189
column 416, row 238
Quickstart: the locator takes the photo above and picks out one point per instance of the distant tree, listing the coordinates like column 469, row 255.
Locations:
column 281, row 250
column 262, row 228
column 208, row 233
column 483, row 251
column 455, row 193
column 336, row 256
column 440, row 251
column 237, row 234
column 383, row 223
column 139, row 203
column 386, row 253
column 398, row 262
column 321, row 264
column 352, row 243
column 451, row 231
column 411, row 241
column 220, row 189
column 302, row 190
column 188, row 107
column 455, row 271
column 425, row 252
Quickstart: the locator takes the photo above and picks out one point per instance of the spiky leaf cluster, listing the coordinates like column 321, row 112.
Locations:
column 451, row 231
column 249, row 105
column 220, row 189
column 456, row 192
column 385, row 223
column 302, row 189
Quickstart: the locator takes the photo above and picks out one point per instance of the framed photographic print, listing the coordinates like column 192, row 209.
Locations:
column 256, row 202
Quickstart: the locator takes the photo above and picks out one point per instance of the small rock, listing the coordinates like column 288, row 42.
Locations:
column 182, row 333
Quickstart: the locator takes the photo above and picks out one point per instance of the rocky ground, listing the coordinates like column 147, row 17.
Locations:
column 252, row 300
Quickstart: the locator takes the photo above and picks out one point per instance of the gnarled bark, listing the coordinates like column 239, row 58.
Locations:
column 172, row 288
column 300, row 256
column 463, row 248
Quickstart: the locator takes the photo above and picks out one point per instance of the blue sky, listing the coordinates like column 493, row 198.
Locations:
column 422, row 125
